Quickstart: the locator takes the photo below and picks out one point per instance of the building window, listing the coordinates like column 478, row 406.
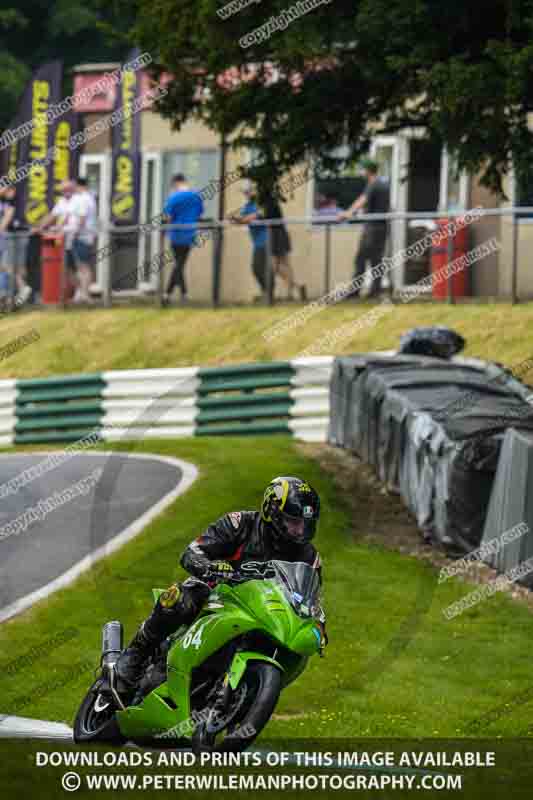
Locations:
column 523, row 193
column 454, row 185
column 199, row 167
column 383, row 154
column 335, row 191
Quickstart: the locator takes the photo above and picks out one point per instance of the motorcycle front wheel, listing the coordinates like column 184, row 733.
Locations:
column 95, row 720
column 253, row 704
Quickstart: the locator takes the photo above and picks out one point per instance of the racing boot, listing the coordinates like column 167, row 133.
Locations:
column 130, row 666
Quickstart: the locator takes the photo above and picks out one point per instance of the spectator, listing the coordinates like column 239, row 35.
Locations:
column 6, row 214
column 280, row 247
column 375, row 200
column 84, row 238
column 33, row 264
column 63, row 216
column 15, row 247
column 249, row 215
column 183, row 206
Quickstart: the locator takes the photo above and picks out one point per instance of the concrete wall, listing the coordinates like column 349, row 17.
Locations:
column 237, row 281
column 524, row 251
column 486, row 273
column 156, row 134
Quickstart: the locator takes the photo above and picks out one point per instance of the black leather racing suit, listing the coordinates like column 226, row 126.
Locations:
column 236, row 537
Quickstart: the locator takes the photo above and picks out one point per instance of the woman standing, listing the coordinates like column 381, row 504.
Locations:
column 280, row 247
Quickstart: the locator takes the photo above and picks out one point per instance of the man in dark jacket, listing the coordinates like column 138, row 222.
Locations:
column 374, row 200
column 282, row 530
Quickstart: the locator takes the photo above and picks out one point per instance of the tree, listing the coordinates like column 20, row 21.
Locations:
column 467, row 68
column 13, row 73
column 42, row 30
column 348, row 67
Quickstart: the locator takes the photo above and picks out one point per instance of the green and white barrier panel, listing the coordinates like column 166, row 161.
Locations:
column 8, row 416
column 250, row 399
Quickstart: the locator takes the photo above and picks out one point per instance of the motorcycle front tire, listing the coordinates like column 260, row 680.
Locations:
column 263, row 682
column 87, row 727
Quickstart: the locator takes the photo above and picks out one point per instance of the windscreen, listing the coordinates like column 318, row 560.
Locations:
column 300, row 584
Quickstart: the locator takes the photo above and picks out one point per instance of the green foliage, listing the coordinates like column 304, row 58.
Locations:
column 13, row 74
column 44, row 30
column 462, row 73
column 10, row 17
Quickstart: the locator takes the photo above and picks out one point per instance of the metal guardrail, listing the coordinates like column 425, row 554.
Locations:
column 518, row 211
column 330, row 223
column 111, row 235
column 124, row 405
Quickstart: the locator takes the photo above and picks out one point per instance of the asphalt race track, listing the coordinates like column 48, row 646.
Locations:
column 124, row 493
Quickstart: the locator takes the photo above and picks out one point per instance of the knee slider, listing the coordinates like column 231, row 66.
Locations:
column 171, row 597
column 180, row 603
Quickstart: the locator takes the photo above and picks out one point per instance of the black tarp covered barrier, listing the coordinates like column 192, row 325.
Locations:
column 511, row 505
column 433, row 430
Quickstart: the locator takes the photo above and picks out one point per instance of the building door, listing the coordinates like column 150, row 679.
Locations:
column 389, row 152
column 424, row 186
column 96, row 169
column 424, row 175
column 422, row 178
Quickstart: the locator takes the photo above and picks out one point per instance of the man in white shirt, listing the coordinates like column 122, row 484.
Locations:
column 85, row 229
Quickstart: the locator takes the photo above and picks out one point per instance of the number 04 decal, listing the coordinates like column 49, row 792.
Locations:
column 193, row 638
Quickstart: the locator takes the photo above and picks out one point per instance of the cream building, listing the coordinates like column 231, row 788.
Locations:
column 422, row 179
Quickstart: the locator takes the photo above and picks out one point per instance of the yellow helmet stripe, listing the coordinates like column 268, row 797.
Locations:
column 285, row 487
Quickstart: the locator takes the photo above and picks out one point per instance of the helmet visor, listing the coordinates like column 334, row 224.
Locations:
column 299, row 529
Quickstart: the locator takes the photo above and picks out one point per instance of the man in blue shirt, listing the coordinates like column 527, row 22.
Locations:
column 249, row 215
column 184, row 206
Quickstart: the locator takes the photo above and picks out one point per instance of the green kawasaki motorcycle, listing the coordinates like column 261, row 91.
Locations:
column 214, row 685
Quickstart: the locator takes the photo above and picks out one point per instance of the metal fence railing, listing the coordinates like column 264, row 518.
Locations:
column 452, row 255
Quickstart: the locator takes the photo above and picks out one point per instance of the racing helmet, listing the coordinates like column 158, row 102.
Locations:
column 291, row 507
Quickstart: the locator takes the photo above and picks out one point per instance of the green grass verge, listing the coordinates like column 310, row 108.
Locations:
column 394, row 666
column 135, row 338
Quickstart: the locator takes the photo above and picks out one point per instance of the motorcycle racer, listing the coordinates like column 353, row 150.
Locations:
column 281, row 530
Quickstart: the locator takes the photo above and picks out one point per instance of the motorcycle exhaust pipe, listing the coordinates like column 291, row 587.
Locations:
column 112, row 645
column 112, row 642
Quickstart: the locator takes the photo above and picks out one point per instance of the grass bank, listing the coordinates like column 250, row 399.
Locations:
column 394, row 667
column 135, row 338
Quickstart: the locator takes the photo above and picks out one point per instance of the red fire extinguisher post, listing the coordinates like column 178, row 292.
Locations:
column 453, row 246
column 53, row 286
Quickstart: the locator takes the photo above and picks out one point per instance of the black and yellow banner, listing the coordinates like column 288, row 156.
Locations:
column 35, row 194
column 66, row 159
column 39, row 160
column 126, row 149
